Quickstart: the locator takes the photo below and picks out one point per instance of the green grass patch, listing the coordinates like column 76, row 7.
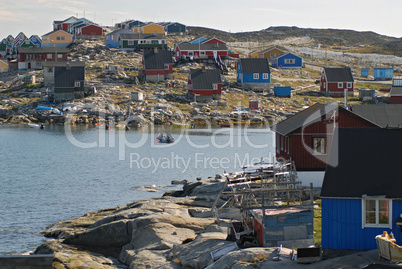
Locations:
column 317, row 223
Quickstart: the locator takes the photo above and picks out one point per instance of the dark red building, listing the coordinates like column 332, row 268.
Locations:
column 32, row 58
column 89, row 30
column 204, row 84
column 157, row 65
column 334, row 81
column 306, row 137
column 396, row 91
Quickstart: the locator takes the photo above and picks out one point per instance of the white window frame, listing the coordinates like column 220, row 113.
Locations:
column 349, row 85
column 77, row 84
column 340, row 85
column 324, row 146
column 130, row 42
column 49, row 56
column 202, row 52
column 290, row 61
column 59, row 56
column 215, row 87
column 256, row 76
column 190, row 53
column 265, row 76
column 166, row 67
column 377, row 212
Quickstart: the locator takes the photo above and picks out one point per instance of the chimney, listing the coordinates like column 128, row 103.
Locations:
column 345, row 95
column 68, row 65
column 203, row 68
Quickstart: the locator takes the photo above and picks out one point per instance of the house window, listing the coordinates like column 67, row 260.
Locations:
column 50, row 69
column 282, row 143
column 319, row 145
column 256, row 76
column 59, row 56
column 376, row 213
column 340, row 85
column 130, row 42
column 215, row 87
column 349, row 85
column 202, row 52
column 27, row 42
column 77, row 84
column 190, row 53
column 277, row 143
column 288, row 143
column 166, row 67
column 49, row 56
column 265, row 76
column 290, row 61
column 178, row 54
column 60, row 37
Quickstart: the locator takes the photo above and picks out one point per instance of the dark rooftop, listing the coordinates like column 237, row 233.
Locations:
column 385, row 115
column 156, row 59
column 368, row 163
column 254, row 65
column 204, row 79
column 339, row 74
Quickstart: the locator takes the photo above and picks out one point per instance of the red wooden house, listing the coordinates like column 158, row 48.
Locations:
column 89, row 30
column 63, row 25
column 305, row 138
column 157, row 65
column 209, row 49
column 334, row 81
column 204, row 84
column 32, row 58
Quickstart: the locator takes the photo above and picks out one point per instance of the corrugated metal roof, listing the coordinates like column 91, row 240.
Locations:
column 384, row 115
column 42, row 50
column 189, row 46
column 65, row 78
column 254, row 65
column 367, row 163
column 62, row 63
column 129, row 36
column 157, row 60
column 338, row 74
column 396, row 90
column 304, row 118
column 204, row 79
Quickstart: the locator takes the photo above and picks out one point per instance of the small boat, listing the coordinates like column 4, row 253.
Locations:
column 103, row 126
column 38, row 126
column 182, row 125
column 165, row 138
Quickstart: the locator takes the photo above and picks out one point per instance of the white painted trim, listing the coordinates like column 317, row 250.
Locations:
column 365, row 225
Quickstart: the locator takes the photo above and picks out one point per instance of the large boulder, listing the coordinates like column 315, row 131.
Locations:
column 197, row 254
column 147, row 259
column 114, row 234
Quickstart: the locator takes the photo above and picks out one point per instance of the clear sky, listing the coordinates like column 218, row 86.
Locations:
column 37, row 16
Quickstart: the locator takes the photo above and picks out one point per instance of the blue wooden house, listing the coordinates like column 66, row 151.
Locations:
column 112, row 38
column 174, row 28
column 289, row 60
column 383, row 73
column 364, row 72
column 254, row 73
column 361, row 194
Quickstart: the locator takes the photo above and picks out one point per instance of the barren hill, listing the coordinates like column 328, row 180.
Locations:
column 367, row 42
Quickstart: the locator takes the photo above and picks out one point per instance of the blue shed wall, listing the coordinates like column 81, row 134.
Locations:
column 383, row 73
column 342, row 225
column 280, row 61
column 282, row 91
column 176, row 28
column 364, row 72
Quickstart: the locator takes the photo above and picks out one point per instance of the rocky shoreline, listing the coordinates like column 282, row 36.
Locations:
column 176, row 230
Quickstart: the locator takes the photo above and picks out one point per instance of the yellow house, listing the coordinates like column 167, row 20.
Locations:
column 3, row 66
column 271, row 54
column 254, row 54
column 150, row 28
column 58, row 38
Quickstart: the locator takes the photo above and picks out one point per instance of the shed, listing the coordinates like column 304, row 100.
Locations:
column 383, row 73
column 289, row 227
column 283, row 91
column 137, row 96
column 364, row 72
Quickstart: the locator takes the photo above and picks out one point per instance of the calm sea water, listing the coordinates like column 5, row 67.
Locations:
column 56, row 174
